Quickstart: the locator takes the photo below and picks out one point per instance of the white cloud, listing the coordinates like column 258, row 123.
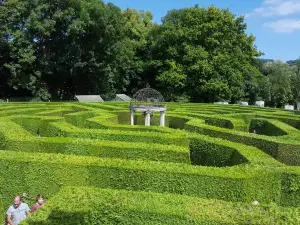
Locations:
column 277, row 8
column 284, row 25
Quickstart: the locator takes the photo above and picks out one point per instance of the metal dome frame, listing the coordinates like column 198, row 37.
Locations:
column 147, row 101
column 148, row 96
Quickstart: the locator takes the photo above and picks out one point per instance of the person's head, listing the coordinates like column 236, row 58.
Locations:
column 40, row 199
column 17, row 201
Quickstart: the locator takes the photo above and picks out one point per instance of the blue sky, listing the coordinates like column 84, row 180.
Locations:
column 274, row 23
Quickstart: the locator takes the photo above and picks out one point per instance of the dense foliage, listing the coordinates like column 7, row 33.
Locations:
column 115, row 173
column 56, row 49
column 204, row 54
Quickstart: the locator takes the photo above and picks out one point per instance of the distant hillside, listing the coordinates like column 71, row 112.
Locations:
column 266, row 60
column 291, row 62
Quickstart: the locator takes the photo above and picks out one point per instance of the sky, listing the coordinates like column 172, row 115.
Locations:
column 274, row 23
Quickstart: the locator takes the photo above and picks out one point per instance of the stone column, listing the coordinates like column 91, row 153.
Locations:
column 132, row 117
column 147, row 119
column 162, row 118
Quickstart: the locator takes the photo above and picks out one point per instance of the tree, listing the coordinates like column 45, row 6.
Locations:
column 255, row 86
column 280, row 75
column 139, row 26
column 9, row 11
column 202, row 53
column 296, row 82
column 65, row 47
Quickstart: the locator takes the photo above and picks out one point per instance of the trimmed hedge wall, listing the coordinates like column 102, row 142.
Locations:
column 130, row 207
column 36, row 125
column 13, row 137
column 271, row 127
column 292, row 121
column 290, row 184
column 218, row 121
column 47, row 173
column 84, row 145
column 23, row 110
column 110, row 121
column 65, row 130
column 210, row 154
column 275, row 147
column 47, row 127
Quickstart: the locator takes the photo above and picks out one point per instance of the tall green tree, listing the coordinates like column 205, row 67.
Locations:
column 280, row 76
column 296, row 82
column 8, row 14
column 139, row 26
column 203, row 53
column 64, row 47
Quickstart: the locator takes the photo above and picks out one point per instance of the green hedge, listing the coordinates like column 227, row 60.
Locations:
column 79, row 119
column 110, row 121
column 277, row 148
column 266, row 127
column 292, row 121
column 23, row 110
column 219, row 122
column 211, row 154
column 57, row 112
column 13, row 137
column 106, row 206
column 200, row 143
column 36, row 125
column 290, row 186
column 98, row 119
column 216, row 120
column 176, row 122
column 65, row 130
column 150, row 159
column 47, row 173
column 47, row 127
column 103, row 106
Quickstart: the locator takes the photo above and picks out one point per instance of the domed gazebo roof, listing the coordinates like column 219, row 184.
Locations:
column 147, row 99
column 148, row 96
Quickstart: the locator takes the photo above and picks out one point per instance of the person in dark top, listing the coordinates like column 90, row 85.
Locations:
column 39, row 203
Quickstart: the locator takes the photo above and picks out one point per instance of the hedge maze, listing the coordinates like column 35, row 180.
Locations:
column 206, row 167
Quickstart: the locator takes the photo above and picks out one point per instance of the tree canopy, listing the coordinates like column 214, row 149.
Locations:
column 56, row 49
column 203, row 53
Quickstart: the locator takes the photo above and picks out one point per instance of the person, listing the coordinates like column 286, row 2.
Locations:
column 17, row 212
column 5, row 220
column 39, row 202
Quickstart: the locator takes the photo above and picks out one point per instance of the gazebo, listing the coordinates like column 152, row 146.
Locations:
column 148, row 101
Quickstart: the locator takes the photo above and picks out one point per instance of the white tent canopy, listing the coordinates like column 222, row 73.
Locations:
column 89, row 98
